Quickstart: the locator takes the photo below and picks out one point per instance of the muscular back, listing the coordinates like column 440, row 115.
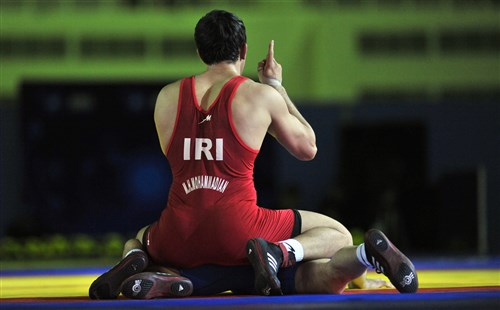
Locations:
column 257, row 109
column 250, row 116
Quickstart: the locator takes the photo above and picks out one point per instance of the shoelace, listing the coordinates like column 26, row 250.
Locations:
column 376, row 265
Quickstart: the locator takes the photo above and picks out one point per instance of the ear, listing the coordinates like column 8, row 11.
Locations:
column 243, row 51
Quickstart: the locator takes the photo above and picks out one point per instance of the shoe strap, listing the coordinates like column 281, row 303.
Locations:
column 133, row 251
column 288, row 257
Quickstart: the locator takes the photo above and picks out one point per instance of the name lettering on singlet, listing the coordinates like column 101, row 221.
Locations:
column 203, row 146
column 205, row 181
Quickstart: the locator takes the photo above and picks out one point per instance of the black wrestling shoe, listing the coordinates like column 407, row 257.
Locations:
column 108, row 285
column 148, row 285
column 387, row 259
column 266, row 258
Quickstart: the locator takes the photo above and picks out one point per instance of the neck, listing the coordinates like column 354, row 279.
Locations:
column 225, row 69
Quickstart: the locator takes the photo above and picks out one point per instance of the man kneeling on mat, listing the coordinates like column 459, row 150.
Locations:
column 212, row 235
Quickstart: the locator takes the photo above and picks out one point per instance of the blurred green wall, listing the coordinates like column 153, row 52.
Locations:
column 334, row 50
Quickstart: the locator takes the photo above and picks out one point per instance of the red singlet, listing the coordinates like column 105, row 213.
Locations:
column 212, row 204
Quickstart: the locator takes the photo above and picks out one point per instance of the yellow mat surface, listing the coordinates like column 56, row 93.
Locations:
column 77, row 285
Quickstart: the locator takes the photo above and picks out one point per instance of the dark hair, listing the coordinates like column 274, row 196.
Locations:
column 219, row 36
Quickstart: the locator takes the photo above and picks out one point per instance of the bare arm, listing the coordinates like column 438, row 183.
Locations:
column 165, row 113
column 288, row 125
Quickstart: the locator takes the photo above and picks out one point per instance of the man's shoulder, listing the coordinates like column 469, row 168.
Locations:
column 168, row 95
column 170, row 89
column 173, row 85
column 256, row 89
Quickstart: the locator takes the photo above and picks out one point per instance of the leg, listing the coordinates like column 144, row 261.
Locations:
column 204, row 280
column 136, row 243
column 329, row 276
column 134, row 260
column 157, row 282
column 321, row 236
column 332, row 276
column 349, row 263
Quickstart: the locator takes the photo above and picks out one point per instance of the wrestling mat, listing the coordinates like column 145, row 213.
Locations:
column 444, row 284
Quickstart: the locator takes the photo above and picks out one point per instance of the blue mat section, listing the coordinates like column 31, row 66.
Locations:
column 285, row 302
column 457, row 263
column 53, row 272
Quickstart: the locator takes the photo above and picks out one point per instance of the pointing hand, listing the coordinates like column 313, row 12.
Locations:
column 269, row 70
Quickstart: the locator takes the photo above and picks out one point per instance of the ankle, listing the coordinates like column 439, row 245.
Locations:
column 292, row 251
column 132, row 251
column 361, row 255
column 288, row 258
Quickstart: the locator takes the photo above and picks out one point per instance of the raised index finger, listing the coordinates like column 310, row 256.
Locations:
column 270, row 52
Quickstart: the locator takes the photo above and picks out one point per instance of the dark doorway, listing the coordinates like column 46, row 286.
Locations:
column 383, row 179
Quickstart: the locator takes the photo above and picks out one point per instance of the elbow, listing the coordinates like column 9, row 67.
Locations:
column 312, row 149
column 310, row 153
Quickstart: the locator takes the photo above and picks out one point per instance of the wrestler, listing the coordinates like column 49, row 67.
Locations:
column 210, row 127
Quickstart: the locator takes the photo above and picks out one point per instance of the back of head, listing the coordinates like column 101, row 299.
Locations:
column 219, row 36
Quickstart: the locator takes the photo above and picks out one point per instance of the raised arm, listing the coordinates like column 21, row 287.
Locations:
column 288, row 125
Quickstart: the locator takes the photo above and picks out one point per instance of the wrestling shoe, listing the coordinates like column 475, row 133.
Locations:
column 266, row 258
column 387, row 259
column 148, row 285
column 108, row 285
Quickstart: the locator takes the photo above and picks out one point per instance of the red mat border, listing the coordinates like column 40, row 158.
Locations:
column 428, row 290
